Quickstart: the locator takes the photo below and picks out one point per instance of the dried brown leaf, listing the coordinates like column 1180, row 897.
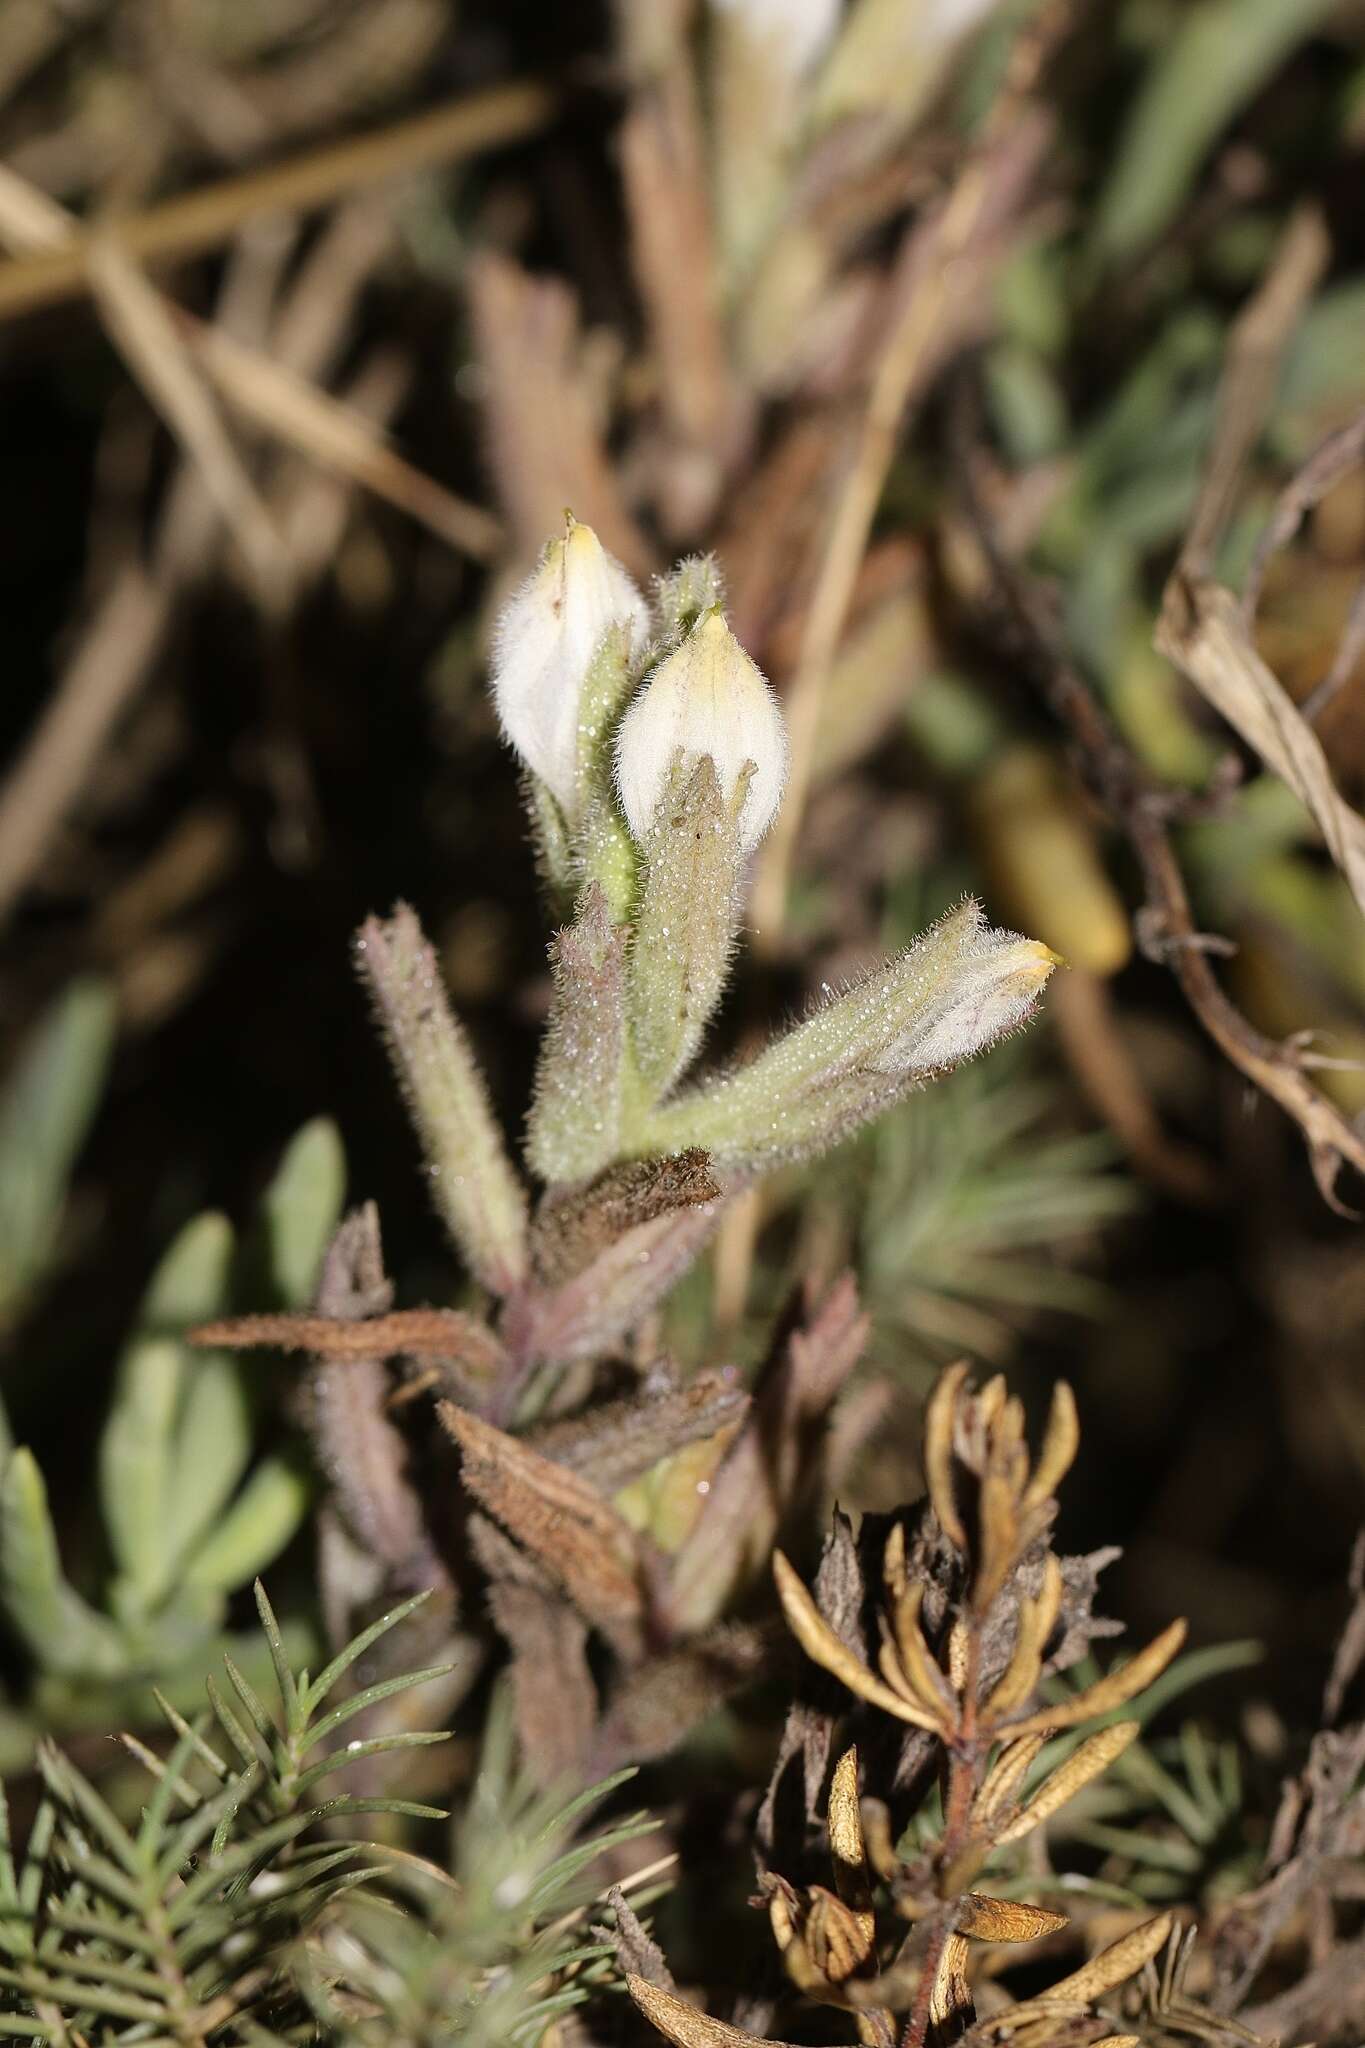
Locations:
column 656, row 1704
column 140, row 323
column 1092, row 1757
column 775, row 1456
column 665, row 180
column 435, row 1333
column 1036, row 1619
column 988, row 1919
column 604, row 1302
column 579, row 1539
column 637, row 1953
column 1350, row 1650
column 1202, row 631
column 552, row 1690
column 939, row 1426
column 544, row 429
column 364, row 1456
column 921, row 1674
column 835, row 1940
column 823, row 1647
column 684, row 2024
column 1009, row 1768
column 950, row 2001
column 846, row 1846
column 1113, row 1965
column 334, row 435
column 1061, row 1441
column 1000, row 1538
column 615, row 1442
column 576, row 1226
column 1114, row 1690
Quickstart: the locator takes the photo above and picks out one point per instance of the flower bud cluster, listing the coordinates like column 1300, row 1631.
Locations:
column 657, row 756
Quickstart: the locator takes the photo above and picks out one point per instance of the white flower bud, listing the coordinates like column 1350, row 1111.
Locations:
column 796, row 32
column 992, row 989
column 958, row 989
column 707, row 699
column 544, row 644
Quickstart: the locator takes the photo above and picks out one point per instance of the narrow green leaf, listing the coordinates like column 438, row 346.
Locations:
column 89, row 1998
column 203, row 1750
column 1219, row 55
column 254, row 1704
column 593, row 1795
column 257, row 1526
column 9, row 1884
column 240, row 1737
column 142, row 1482
column 1138, row 1847
column 203, row 1823
column 318, row 1690
column 134, row 1464
column 45, row 1110
column 73, row 1791
column 284, row 1677
column 379, row 1746
column 98, row 1874
column 300, row 1210
column 332, row 1808
column 360, row 1701
column 213, row 1444
column 220, row 1871
column 126, row 1976
column 169, row 1783
column 60, row 1632
column 94, row 1927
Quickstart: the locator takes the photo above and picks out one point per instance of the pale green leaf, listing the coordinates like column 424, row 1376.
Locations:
column 255, row 1528
column 143, row 1481
column 300, row 1209
column 45, row 1111
column 60, row 1632
column 1217, row 59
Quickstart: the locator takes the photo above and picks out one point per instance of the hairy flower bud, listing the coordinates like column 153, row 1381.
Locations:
column 794, row 33
column 544, row 645
column 959, row 988
column 708, row 699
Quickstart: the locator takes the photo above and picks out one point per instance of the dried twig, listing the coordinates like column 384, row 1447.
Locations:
column 139, row 323
column 1201, row 631
column 1330, row 461
column 1203, row 628
column 1256, row 349
column 276, row 388
column 546, row 447
column 663, row 171
column 335, row 435
column 196, row 221
column 1142, row 812
column 1345, row 661
column 129, row 620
